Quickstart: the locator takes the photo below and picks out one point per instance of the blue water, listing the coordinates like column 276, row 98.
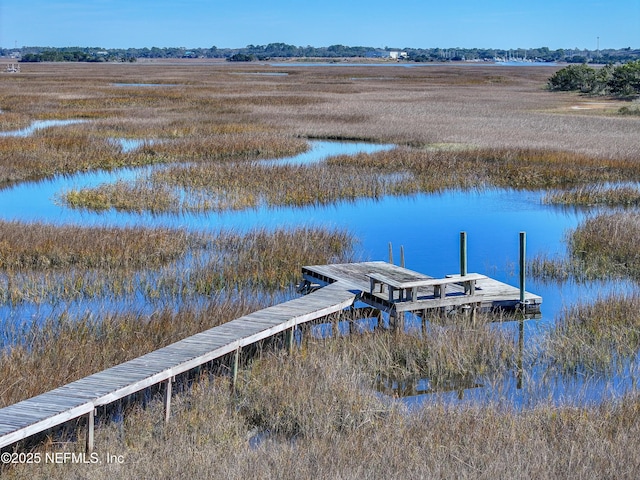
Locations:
column 427, row 226
column 38, row 125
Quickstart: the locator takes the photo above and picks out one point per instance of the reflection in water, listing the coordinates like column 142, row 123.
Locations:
column 414, row 386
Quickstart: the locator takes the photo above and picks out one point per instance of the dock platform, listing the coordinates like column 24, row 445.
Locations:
column 396, row 289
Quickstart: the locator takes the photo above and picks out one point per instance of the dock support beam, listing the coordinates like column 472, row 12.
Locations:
column 236, row 360
column 402, row 256
column 390, row 253
column 167, row 399
column 90, row 430
column 291, row 338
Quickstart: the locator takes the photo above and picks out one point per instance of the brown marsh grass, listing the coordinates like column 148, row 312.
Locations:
column 351, row 433
column 40, row 246
column 269, row 261
column 609, row 242
column 41, row 263
column 65, row 347
column 597, row 337
column 400, row 171
column 314, row 415
column 595, row 195
column 477, row 107
column 602, row 246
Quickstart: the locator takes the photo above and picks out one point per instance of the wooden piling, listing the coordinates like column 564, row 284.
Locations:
column 523, row 266
column 390, row 253
column 520, row 370
column 167, row 399
column 463, row 253
column 90, row 431
column 402, row 256
column 291, row 338
column 236, row 360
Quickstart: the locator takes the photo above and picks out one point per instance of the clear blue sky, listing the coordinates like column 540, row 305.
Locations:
column 237, row 23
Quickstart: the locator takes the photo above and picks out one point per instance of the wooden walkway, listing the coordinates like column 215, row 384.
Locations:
column 53, row 408
column 341, row 285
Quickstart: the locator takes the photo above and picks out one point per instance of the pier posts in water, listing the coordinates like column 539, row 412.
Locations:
column 520, row 369
column 401, row 254
column 463, row 253
column 523, row 267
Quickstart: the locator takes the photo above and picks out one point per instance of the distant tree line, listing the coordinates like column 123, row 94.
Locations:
column 622, row 80
column 283, row 50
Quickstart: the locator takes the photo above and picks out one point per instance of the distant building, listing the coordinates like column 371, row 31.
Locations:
column 395, row 55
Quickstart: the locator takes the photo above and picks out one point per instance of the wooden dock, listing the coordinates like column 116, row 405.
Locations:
column 333, row 288
column 396, row 289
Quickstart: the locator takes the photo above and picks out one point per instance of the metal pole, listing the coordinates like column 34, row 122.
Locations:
column 523, row 265
column 463, row 253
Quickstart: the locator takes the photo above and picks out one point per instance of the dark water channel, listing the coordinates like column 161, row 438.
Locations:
column 427, row 226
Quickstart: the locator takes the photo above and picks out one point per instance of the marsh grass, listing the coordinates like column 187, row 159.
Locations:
column 516, row 139
column 41, row 263
column 269, row 261
column 313, row 414
column 602, row 246
column 598, row 337
column 594, row 194
column 630, row 110
column 40, row 246
column 234, row 274
column 351, row 368
column 608, row 243
column 458, row 348
column 123, row 196
column 400, row 171
column 202, row 113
